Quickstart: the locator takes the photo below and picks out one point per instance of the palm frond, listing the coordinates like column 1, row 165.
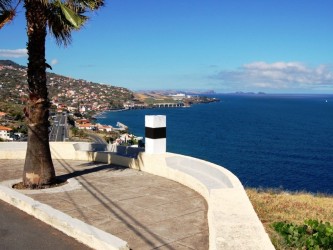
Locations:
column 58, row 26
column 91, row 4
column 6, row 16
column 44, row 2
column 86, row 4
column 5, row 4
column 72, row 16
column 65, row 16
column 7, row 12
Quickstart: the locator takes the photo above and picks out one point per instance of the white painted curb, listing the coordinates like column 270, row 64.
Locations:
column 84, row 233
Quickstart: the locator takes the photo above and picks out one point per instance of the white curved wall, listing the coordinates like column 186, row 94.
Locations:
column 233, row 223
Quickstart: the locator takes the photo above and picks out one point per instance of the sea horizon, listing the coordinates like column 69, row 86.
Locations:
column 267, row 140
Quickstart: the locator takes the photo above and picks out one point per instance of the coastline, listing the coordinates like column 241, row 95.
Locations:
column 185, row 105
column 250, row 135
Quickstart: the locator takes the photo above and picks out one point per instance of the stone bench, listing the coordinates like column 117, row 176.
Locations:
column 212, row 178
column 232, row 221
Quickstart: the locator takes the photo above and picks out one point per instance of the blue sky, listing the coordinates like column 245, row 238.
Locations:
column 275, row 46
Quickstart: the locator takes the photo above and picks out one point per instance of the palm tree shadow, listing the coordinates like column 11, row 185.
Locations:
column 117, row 212
column 78, row 173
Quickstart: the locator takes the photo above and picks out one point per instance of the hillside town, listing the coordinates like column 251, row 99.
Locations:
column 80, row 99
column 65, row 93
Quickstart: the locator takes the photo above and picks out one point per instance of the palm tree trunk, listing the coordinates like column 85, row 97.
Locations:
column 38, row 167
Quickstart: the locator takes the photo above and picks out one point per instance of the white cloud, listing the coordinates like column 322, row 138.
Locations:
column 54, row 62
column 278, row 75
column 14, row 53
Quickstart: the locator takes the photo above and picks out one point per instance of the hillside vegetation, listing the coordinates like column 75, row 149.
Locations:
column 276, row 206
column 63, row 91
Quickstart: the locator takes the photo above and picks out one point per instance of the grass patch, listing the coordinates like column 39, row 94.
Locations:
column 273, row 205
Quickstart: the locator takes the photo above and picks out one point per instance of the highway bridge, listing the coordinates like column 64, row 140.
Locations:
column 168, row 105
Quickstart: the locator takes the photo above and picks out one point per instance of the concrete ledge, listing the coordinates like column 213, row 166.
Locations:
column 17, row 150
column 86, row 146
column 88, row 235
column 211, row 177
column 232, row 221
column 72, row 184
column 131, row 152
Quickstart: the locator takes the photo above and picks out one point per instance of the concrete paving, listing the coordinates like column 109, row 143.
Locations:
column 147, row 211
column 17, row 235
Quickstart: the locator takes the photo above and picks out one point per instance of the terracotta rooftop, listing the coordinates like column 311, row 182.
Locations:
column 5, row 128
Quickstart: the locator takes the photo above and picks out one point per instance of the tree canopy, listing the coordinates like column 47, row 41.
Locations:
column 62, row 16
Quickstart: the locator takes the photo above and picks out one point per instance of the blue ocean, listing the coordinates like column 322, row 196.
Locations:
column 268, row 141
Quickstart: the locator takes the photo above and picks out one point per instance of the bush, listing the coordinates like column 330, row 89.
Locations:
column 312, row 235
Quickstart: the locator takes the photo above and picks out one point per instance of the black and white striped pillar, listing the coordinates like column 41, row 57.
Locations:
column 155, row 133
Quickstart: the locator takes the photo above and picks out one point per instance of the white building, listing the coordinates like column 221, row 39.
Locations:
column 88, row 126
column 178, row 97
column 105, row 128
column 83, row 109
column 4, row 133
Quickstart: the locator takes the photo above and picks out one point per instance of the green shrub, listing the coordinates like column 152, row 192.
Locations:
column 312, row 235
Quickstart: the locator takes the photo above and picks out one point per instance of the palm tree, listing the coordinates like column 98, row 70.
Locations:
column 61, row 18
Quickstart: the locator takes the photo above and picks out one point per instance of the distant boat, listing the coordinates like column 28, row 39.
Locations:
column 326, row 101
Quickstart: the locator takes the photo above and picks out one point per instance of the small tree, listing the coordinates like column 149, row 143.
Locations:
column 75, row 131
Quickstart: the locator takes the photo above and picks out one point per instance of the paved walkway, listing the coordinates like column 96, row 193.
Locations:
column 17, row 235
column 147, row 211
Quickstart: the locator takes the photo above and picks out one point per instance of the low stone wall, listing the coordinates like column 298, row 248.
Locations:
column 86, row 146
column 69, row 150
column 232, row 221
column 126, row 151
column 17, row 150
